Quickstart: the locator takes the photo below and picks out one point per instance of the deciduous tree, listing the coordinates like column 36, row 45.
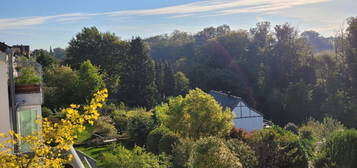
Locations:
column 197, row 115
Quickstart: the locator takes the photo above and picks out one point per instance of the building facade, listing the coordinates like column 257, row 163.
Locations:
column 5, row 124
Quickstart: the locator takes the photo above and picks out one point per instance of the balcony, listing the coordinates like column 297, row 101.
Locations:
column 28, row 98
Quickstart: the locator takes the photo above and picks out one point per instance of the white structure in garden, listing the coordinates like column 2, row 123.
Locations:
column 244, row 116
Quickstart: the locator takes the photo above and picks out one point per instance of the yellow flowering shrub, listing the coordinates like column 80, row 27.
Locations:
column 49, row 147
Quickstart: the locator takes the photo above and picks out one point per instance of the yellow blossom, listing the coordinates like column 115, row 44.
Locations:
column 61, row 133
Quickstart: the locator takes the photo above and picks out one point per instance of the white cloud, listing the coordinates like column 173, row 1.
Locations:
column 20, row 22
column 26, row 21
column 212, row 8
column 179, row 16
column 71, row 19
column 268, row 6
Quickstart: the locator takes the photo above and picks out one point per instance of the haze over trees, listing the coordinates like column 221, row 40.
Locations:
column 318, row 42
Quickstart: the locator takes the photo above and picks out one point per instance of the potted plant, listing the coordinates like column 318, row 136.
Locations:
column 28, row 80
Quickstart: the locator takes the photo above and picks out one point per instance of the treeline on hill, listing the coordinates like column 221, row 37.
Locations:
column 275, row 71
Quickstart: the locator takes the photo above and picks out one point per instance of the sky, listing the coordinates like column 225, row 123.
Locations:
column 45, row 23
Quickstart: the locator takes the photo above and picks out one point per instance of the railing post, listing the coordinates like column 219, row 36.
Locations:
column 76, row 161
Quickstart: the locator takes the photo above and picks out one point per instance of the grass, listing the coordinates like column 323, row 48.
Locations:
column 95, row 152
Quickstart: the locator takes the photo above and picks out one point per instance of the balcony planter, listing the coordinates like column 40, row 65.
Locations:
column 28, row 79
column 27, row 88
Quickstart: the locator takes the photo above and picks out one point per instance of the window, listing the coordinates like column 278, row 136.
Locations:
column 27, row 116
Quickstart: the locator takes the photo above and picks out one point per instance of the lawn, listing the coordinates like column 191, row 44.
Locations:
column 94, row 152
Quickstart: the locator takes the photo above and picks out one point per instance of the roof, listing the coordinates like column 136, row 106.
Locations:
column 21, row 50
column 227, row 100
column 3, row 47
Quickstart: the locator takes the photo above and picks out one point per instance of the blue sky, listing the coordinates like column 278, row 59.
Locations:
column 45, row 23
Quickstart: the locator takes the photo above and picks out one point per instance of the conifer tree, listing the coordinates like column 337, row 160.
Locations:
column 137, row 81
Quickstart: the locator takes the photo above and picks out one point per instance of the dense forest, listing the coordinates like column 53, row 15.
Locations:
column 286, row 75
column 159, row 109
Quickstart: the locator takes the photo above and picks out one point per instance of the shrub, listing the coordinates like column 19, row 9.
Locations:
column 323, row 130
column 121, row 120
column 161, row 113
column 324, row 162
column 276, row 147
column 212, row 152
column 314, row 133
column 27, row 76
column 104, row 127
column 306, row 133
column 124, row 158
column 308, row 141
column 292, row 128
column 238, row 133
column 181, row 153
column 108, row 109
column 46, row 112
column 168, row 142
column 140, row 123
column 340, row 151
column 245, row 154
column 153, row 140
